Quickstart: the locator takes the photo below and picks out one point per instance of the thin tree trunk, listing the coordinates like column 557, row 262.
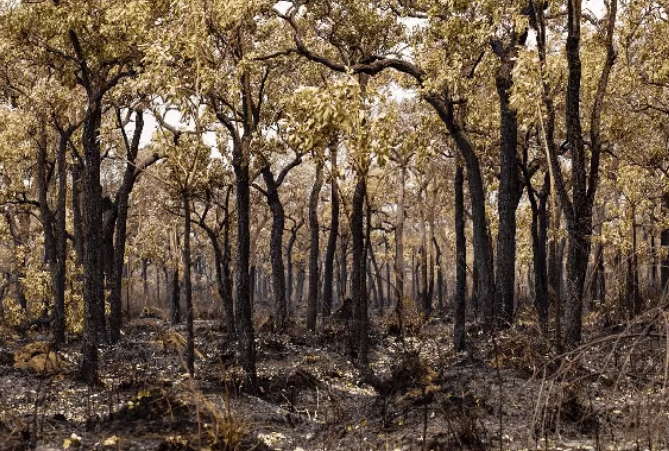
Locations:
column 188, row 290
column 332, row 238
column 312, row 302
column 460, row 262
column 359, row 290
column 399, row 249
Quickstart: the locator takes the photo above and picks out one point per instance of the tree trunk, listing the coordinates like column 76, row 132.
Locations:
column 188, row 290
column 460, row 262
column 440, row 277
column 509, row 186
column 312, row 301
column 243, row 308
column 359, row 290
column 276, row 250
column 93, row 286
column 343, row 274
column 539, row 240
column 399, row 249
column 328, row 268
column 598, row 288
column 55, row 244
column 664, row 243
column 175, row 292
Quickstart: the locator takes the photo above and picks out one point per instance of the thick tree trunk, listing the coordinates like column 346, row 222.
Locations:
column 243, row 307
column 328, row 267
column 507, row 204
column 93, row 286
column 312, row 301
column 460, row 262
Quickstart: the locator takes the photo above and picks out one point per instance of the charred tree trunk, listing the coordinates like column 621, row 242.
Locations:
column 93, row 286
column 188, row 290
column 460, row 262
column 399, row 249
column 312, row 302
column 243, row 303
column 55, row 244
column 328, row 267
column 276, row 250
column 343, row 273
column 359, row 290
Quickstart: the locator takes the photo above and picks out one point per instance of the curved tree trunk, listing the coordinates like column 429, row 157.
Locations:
column 118, row 256
column 276, row 250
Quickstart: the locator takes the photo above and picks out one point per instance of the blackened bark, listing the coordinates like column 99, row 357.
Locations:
column 664, row 243
column 289, row 262
column 378, row 287
column 328, row 267
column 120, row 235
column 508, row 193
column 276, row 250
column 634, row 300
column 188, row 289
column 578, row 209
column 425, row 292
column 312, row 301
column 76, row 212
column 460, row 262
column 55, row 244
column 343, row 274
column 539, row 242
column 399, row 249
column 228, row 301
column 276, row 239
column 93, row 286
column 243, row 308
column 175, row 298
column 482, row 247
column 358, row 285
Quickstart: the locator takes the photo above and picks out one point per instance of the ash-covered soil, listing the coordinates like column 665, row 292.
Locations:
column 505, row 393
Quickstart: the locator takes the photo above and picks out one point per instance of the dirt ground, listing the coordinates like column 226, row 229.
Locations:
column 504, row 394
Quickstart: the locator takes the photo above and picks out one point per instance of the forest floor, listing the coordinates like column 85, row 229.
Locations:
column 505, row 393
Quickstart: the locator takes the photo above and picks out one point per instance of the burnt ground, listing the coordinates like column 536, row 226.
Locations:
column 422, row 395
